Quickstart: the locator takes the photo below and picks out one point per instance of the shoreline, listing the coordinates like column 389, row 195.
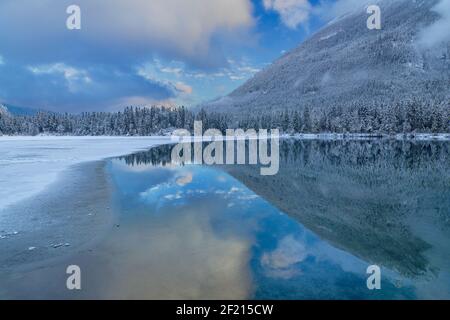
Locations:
column 31, row 164
column 70, row 214
column 306, row 136
column 367, row 136
column 70, row 219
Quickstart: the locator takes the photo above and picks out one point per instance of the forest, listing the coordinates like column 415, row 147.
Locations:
column 403, row 117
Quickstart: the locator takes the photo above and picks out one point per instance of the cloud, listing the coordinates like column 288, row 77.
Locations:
column 183, row 88
column 192, row 86
column 72, row 75
column 185, row 179
column 175, row 71
column 292, row 12
column 116, row 38
column 186, row 30
column 2, row 61
column 63, row 87
column 281, row 263
column 156, row 73
column 439, row 31
column 296, row 12
column 189, row 260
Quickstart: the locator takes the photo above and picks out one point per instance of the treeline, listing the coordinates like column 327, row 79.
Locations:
column 360, row 154
column 403, row 117
column 132, row 121
column 406, row 117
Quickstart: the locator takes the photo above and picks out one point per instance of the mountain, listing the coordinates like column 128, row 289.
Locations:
column 20, row 111
column 345, row 64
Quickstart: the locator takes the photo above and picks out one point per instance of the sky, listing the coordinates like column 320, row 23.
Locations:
column 145, row 52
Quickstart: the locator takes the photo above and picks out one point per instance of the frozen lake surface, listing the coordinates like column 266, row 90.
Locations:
column 28, row 165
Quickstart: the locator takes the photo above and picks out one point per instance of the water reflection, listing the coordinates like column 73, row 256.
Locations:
column 348, row 205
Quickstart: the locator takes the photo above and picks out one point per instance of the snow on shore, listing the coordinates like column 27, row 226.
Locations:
column 364, row 136
column 29, row 164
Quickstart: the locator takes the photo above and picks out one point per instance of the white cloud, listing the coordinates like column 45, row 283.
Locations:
column 281, row 263
column 69, row 72
column 183, row 88
column 185, row 179
column 249, row 69
column 171, row 77
column 292, row 12
column 175, row 71
column 439, row 31
column 73, row 76
column 179, row 28
column 188, row 85
column 154, row 72
column 2, row 61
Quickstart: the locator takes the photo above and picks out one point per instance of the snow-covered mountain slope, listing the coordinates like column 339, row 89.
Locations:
column 345, row 63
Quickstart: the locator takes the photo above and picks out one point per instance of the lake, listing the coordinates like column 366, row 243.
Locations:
column 309, row 232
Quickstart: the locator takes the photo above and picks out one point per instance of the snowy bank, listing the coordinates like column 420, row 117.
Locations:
column 29, row 164
column 365, row 136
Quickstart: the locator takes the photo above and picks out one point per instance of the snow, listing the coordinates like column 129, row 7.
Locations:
column 364, row 136
column 366, row 71
column 30, row 164
column 331, row 35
